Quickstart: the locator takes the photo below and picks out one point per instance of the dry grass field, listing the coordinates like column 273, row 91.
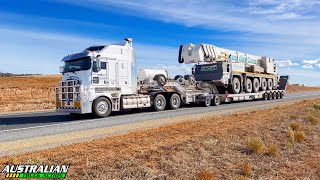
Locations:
column 278, row 143
column 28, row 93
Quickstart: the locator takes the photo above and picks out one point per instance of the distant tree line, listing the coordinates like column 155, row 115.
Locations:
column 11, row 74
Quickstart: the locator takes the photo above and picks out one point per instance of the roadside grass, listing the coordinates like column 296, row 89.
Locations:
column 281, row 142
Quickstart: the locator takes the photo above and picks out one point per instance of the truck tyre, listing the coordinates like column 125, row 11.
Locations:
column 191, row 79
column 269, row 84
column 159, row 102
column 101, row 107
column 263, row 84
column 236, row 85
column 160, row 79
column 216, row 101
column 207, row 101
column 175, row 101
column 255, row 85
column 248, row 87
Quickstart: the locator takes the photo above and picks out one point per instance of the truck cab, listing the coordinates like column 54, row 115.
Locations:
column 106, row 71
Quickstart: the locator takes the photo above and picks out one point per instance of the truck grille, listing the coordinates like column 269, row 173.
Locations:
column 68, row 95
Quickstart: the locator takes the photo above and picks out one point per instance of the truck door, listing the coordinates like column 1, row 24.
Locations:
column 100, row 77
column 123, row 73
column 111, row 75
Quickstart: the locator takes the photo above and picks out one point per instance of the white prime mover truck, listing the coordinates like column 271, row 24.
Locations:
column 102, row 79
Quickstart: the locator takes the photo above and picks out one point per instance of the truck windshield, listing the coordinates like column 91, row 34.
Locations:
column 77, row 64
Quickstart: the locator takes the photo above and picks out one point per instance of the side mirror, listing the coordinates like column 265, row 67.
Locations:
column 96, row 67
column 61, row 69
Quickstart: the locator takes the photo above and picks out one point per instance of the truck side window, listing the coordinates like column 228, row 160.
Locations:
column 103, row 65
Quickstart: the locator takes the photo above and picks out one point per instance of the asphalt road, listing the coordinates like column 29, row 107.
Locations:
column 29, row 125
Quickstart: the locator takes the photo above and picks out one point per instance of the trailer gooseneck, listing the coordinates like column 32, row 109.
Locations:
column 102, row 79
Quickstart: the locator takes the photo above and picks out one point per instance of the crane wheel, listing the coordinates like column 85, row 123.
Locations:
column 159, row 102
column 101, row 107
column 255, row 85
column 248, row 87
column 236, row 85
column 263, row 84
column 160, row 79
column 175, row 101
column 269, row 84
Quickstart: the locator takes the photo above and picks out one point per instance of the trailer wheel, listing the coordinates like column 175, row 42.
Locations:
column 263, row 84
column 255, row 85
column 216, row 101
column 274, row 95
column 278, row 95
column 101, row 107
column 159, row 102
column 236, row 85
column 175, row 101
column 269, row 84
column 269, row 95
column 265, row 96
column 207, row 101
column 160, row 79
column 248, row 87
column 281, row 95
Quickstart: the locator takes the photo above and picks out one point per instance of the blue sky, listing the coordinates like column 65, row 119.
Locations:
column 36, row 34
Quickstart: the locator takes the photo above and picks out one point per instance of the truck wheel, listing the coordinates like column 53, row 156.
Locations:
column 160, row 79
column 236, row 85
column 159, row 102
column 175, row 101
column 248, row 87
column 263, row 84
column 216, row 101
column 207, row 101
column 269, row 84
column 101, row 107
column 255, row 85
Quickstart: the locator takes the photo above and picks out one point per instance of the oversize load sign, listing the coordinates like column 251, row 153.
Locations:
column 35, row 171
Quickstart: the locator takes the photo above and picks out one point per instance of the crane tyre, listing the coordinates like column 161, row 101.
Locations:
column 255, row 85
column 248, row 87
column 263, row 84
column 269, row 84
column 191, row 79
column 236, row 85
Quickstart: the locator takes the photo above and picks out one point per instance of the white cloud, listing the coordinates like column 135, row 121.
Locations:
column 287, row 63
column 307, row 66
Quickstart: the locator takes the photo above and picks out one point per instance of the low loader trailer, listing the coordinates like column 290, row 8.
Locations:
column 102, row 79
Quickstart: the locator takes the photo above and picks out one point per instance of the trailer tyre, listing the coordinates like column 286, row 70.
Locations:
column 216, row 101
column 175, row 101
column 265, row 96
column 248, row 87
column 255, row 85
column 263, row 84
column 269, row 95
column 278, row 95
column 159, row 102
column 274, row 95
column 269, row 84
column 281, row 95
column 160, row 79
column 236, row 85
column 207, row 101
column 101, row 107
